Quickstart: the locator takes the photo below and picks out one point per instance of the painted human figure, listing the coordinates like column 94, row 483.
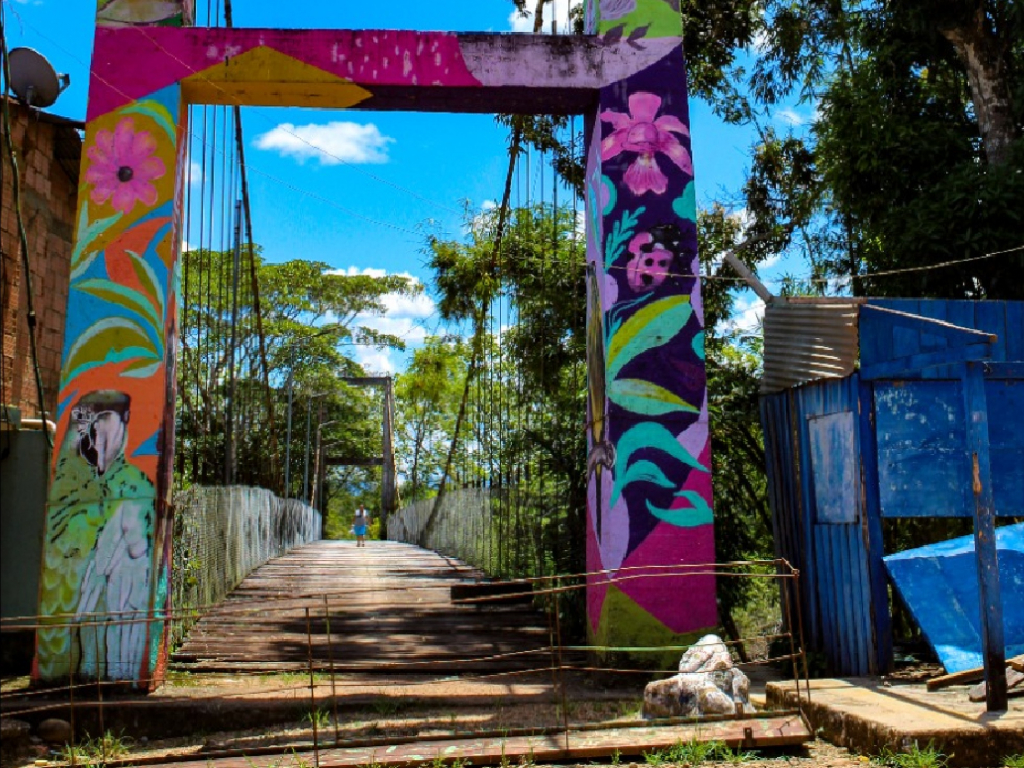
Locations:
column 100, row 521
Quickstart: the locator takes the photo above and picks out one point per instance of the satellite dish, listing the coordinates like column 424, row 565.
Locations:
column 33, row 79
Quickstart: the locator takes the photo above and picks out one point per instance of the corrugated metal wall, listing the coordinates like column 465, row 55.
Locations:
column 832, row 555
column 823, row 449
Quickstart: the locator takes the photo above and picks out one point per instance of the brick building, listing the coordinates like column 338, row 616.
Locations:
column 49, row 150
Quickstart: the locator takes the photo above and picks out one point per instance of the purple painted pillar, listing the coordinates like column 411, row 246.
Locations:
column 649, row 463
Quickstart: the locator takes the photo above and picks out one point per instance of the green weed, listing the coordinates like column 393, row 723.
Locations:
column 915, row 757
column 456, row 762
column 386, row 706
column 320, row 717
column 95, row 751
column 695, row 752
column 616, row 757
column 1013, row 761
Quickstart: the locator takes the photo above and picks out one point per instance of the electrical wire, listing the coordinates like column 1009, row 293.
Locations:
column 22, row 234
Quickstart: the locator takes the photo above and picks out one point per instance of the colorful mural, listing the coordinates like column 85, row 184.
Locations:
column 107, row 547
column 649, row 466
column 106, row 558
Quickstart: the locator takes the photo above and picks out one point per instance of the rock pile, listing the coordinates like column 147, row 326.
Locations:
column 708, row 683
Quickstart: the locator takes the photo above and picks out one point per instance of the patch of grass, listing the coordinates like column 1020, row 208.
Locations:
column 914, row 757
column 1013, row 761
column 320, row 717
column 386, row 706
column 631, row 708
column 695, row 752
column 95, row 751
column 616, row 757
column 440, row 761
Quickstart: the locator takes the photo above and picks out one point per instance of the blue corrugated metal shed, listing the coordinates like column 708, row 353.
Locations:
column 890, row 440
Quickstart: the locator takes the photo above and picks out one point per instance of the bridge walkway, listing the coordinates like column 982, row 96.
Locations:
column 386, row 607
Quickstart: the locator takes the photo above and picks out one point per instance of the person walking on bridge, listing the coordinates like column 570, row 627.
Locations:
column 359, row 523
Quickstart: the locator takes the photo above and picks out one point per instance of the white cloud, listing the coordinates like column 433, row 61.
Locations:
column 790, row 117
column 194, row 174
column 404, row 316
column 331, row 144
column 747, row 314
column 520, row 23
column 375, row 361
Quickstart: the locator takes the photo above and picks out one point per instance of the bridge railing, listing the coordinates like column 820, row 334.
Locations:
column 494, row 530
column 222, row 534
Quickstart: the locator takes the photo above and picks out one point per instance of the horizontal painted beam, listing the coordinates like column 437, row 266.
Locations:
column 956, row 334
column 366, row 381
column 365, row 69
column 911, row 365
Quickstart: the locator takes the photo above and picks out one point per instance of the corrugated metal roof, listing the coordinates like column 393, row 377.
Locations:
column 808, row 339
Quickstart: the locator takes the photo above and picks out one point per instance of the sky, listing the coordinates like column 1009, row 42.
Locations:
column 383, row 179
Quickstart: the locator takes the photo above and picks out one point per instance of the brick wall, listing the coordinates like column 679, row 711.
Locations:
column 49, row 151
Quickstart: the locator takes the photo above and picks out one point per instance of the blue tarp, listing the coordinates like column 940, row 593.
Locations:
column 939, row 584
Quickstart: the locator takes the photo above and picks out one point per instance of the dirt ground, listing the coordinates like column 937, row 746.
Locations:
column 378, row 709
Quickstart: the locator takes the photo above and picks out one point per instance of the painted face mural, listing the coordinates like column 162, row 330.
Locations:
column 102, row 532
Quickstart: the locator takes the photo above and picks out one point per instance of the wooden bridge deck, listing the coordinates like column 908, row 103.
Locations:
column 384, row 608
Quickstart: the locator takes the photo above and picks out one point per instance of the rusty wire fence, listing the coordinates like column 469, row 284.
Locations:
column 325, row 670
column 221, row 534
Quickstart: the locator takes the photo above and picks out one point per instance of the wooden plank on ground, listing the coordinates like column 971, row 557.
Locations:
column 574, row 746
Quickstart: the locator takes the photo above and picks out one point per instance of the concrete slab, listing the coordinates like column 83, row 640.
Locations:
column 866, row 715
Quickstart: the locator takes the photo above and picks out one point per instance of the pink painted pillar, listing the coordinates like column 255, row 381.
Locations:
column 106, row 552
column 649, row 464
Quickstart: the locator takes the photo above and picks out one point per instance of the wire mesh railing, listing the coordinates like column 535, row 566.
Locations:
column 221, row 535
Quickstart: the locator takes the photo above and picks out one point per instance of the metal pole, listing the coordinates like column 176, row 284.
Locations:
column 993, row 646
column 312, row 693
column 330, row 661
column 229, row 459
column 288, row 438
column 305, row 463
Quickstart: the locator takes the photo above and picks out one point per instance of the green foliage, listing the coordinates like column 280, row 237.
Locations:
column 696, row 752
column 913, row 757
column 1013, row 761
column 320, row 717
column 523, row 379
column 96, row 751
column 311, row 320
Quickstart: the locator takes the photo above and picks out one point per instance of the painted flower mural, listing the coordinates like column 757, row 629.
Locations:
column 646, row 135
column 123, row 167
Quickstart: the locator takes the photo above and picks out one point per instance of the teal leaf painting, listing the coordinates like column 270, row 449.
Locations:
column 652, row 326
column 652, row 436
column 87, row 233
column 685, row 206
column 699, row 513
column 698, row 345
column 110, row 340
column 613, row 195
column 647, row 398
column 157, row 111
column 622, row 230
column 122, row 296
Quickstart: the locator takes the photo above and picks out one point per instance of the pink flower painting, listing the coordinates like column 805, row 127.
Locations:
column 645, row 135
column 123, row 168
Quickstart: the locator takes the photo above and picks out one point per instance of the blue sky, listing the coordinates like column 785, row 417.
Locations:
column 402, row 172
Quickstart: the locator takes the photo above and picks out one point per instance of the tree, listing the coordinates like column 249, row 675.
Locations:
column 427, row 396
column 311, row 319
